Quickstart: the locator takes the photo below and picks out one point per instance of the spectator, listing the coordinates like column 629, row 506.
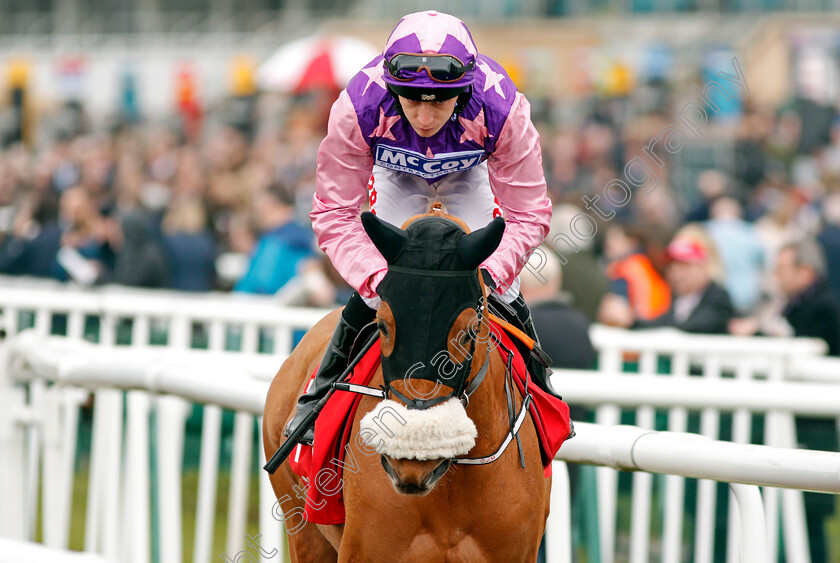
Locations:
column 311, row 287
column 562, row 329
column 699, row 304
column 750, row 160
column 140, row 260
column 741, row 252
column 829, row 238
column 189, row 246
column 282, row 245
column 711, row 184
column 33, row 250
column 780, row 224
column 811, row 309
column 814, row 312
column 584, row 278
column 83, row 239
column 632, row 275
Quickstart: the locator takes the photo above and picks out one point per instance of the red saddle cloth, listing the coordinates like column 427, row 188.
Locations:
column 322, row 465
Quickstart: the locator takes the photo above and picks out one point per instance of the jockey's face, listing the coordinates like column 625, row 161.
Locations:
column 427, row 118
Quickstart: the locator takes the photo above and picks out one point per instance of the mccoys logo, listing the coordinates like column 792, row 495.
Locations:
column 403, row 160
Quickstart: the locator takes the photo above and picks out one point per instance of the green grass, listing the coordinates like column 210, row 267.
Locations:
column 832, row 531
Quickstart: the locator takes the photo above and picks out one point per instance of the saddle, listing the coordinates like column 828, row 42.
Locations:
column 322, row 465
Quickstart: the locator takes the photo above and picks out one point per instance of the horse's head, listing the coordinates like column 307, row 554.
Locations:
column 433, row 343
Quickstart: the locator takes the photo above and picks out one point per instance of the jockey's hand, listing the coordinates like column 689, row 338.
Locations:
column 488, row 279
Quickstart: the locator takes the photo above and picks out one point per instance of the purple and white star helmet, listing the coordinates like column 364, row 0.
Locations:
column 430, row 51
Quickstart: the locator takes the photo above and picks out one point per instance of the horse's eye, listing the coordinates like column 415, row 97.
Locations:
column 383, row 328
column 465, row 337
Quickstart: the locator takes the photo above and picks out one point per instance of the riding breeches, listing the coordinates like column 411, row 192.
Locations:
column 396, row 196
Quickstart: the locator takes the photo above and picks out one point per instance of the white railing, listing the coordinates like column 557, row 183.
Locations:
column 12, row 551
column 687, row 359
column 159, row 383
column 36, row 361
column 234, row 328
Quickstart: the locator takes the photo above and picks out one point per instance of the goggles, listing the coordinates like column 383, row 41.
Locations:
column 440, row 68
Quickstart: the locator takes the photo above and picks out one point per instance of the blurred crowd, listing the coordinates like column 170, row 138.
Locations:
column 718, row 245
column 157, row 206
column 750, row 246
column 740, row 233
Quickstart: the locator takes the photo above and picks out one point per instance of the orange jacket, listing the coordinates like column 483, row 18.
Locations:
column 648, row 293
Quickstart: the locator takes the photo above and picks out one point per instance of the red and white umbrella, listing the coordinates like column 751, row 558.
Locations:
column 315, row 62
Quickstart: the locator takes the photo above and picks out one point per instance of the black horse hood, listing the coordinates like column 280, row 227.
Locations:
column 432, row 277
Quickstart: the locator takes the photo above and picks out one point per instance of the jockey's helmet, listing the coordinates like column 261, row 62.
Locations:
column 430, row 57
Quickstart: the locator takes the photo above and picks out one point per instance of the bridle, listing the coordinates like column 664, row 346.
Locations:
column 463, row 391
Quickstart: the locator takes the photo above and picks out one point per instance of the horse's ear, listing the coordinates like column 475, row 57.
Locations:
column 388, row 239
column 478, row 245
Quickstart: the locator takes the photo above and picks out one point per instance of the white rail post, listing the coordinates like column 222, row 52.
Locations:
column 780, row 431
column 753, row 536
column 674, row 484
column 93, row 513
column 211, row 428
column 794, row 523
column 35, row 432
column 558, row 528
column 12, row 448
column 34, row 439
column 241, row 455
column 110, row 401
column 171, row 418
column 741, row 430
column 642, row 482
column 610, row 360
column 136, row 523
column 704, row 538
column 51, row 494
column 271, row 528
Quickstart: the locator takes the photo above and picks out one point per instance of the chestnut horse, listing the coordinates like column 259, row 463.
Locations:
column 414, row 501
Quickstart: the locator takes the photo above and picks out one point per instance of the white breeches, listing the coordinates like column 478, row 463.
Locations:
column 397, row 196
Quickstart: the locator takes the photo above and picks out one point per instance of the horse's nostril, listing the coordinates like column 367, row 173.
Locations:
column 437, row 473
column 387, row 467
column 409, row 489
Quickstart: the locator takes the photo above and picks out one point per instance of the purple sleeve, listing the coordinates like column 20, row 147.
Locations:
column 518, row 181
column 345, row 163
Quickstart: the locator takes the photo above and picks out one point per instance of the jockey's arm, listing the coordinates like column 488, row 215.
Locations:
column 344, row 167
column 518, row 181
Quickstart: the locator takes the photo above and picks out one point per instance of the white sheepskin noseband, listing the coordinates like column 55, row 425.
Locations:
column 439, row 432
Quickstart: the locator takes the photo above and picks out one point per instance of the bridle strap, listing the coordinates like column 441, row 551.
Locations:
column 508, row 439
column 479, row 377
column 380, row 393
column 420, row 404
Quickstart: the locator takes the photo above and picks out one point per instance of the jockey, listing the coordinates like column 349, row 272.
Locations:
column 430, row 120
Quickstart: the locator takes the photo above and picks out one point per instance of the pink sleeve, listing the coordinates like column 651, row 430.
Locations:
column 518, row 181
column 344, row 168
